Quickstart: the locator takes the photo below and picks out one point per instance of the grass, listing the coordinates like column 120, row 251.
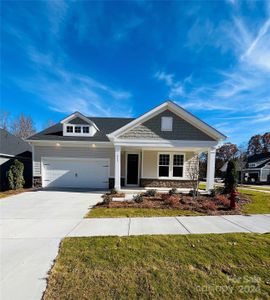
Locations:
column 103, row 212
column 256, row 188
column 229, row 266
column 8, row 193
column 260, row 203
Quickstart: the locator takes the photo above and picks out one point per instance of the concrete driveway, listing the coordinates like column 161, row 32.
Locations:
column 32, row 225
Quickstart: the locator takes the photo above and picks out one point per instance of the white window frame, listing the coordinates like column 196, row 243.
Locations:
column 171, row 165
column 92, row 130
column 166, row 123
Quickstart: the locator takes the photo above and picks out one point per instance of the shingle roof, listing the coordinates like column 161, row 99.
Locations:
column 13, row 145
column 105, row 126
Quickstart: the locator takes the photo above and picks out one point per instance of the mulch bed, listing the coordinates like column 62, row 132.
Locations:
column 218, row 205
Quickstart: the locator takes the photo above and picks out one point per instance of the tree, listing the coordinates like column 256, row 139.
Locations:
column 23, row 126
column 193, row 172
column 15, row 175
column 266, row 142
column 4, row 119
column 230, row 177
column 225, row 153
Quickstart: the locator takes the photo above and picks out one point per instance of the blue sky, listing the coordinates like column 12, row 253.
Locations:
column 123, row 58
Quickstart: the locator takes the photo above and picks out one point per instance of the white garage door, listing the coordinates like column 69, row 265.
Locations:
column 75, row 173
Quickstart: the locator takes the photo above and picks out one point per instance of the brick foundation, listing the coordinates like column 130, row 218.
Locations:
column 145, row 182
column 37, row 182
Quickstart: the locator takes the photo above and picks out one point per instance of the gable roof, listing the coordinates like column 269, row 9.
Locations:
column 13, row 145
column 178, row 110
column 105, row 125
column 78, row 115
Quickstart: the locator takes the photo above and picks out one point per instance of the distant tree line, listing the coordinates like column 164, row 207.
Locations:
column 257, row 144
column 21, row 126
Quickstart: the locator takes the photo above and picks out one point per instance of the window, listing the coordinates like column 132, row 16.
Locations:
column 70, row 129
column 171, row 165
column 178, row 162
column 164, row 165
column 166, row 123
column 77, row 129
column 85, row 129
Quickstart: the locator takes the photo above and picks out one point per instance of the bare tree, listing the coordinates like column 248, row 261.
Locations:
column 4, row 119
column 23, row 126
column 49, row 123
column 193, row 172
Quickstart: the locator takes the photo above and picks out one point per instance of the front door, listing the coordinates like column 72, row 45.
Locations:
column 132, row 168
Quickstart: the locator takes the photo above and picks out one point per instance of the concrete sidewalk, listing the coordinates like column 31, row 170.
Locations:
column 171, row 225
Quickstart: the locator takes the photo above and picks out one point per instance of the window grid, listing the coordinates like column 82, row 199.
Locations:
column 171, row 165
column 70, row 129
column 77, row 129
column 85, row 129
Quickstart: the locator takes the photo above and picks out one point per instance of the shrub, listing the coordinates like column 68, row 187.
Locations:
column 230, row 177
column 209, row 205
column 172, row 191
column 193, row 193
column 173, row 200
column 15, row 175
column 222, row 200
column 151, row 193
column 113, row 191
column 107, row 199
column 138, row 198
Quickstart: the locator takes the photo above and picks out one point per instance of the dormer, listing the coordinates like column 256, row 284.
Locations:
column 78, row 125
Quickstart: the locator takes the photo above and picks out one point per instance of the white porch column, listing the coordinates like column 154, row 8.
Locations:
column 117, row 168
column 211, row 160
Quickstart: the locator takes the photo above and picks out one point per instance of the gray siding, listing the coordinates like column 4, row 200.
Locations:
column 73, row 152
column 182, row 130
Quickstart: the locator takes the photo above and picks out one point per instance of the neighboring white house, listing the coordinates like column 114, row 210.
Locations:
column 151, row 150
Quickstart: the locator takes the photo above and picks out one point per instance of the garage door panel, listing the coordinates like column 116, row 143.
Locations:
column 75, row 173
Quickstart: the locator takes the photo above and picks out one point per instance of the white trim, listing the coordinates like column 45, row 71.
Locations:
column 117, row 168
column 142, row 163
column 92, row 130
column 139, row 169
column 7, row 155
column 165, row 143
column 171, row 177
column 177, row 110
column 66, row 143
column 71, row 159
column 78, row 115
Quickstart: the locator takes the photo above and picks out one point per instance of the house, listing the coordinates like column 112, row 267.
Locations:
column 257, row 169
column 11, row 148
column 153, row 150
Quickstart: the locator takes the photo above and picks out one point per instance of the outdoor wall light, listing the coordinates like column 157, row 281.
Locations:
column 57, row 144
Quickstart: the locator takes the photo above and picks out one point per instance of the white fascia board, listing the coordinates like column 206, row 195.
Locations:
column 166, row 143
column 78, row 115
column 178, row 111
column 71, row 143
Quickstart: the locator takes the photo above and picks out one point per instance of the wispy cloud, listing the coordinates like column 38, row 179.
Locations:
column 62, row 88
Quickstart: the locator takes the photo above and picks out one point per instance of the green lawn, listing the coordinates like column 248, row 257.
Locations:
column 256, row 188
column 103, row 212
column 260, row 203
column 229, row 266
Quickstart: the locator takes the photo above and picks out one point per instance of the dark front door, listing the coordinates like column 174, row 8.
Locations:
column 132, row 168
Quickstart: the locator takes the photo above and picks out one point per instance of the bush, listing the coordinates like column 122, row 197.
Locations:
column 15, row 175
column 223, row 200
column 113, row 191
column 106, row 199
column 138, row 198
column 209, row 206
column 193, row 193
column 173, row 200
column 172, row 191
column 150, row 193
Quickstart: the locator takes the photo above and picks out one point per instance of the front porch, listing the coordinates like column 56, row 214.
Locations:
column 162, row 168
